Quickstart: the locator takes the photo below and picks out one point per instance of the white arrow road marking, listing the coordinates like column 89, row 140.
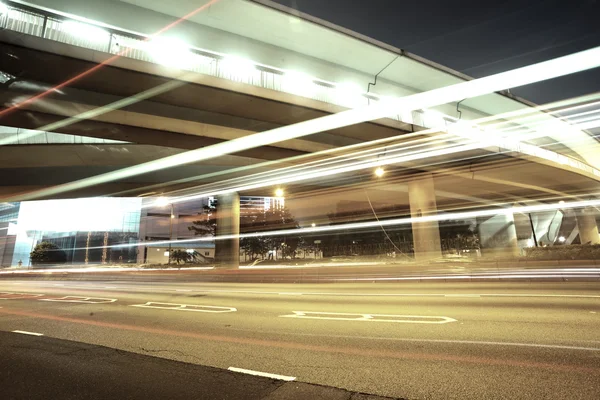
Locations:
column 265, row 374
column 185, row 307
column 409, row 319
column 10, row 296
column 79, row 299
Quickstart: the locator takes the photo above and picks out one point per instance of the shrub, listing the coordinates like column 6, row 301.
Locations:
column 569, row 252
column 47, row 253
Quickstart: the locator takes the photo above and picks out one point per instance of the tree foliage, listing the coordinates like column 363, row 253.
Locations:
column 47, row 253
column 267, row 221
column 182, row 256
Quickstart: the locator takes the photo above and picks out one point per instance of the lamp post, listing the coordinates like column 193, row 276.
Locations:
column 162, row 202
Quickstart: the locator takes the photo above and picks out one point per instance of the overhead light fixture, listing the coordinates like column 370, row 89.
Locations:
column 170, row 52
column 237, row 66
column 279, row 192
column 562, row 239
column 298, row 83
column 379, row 172
column 313, row 224
column 85, row 31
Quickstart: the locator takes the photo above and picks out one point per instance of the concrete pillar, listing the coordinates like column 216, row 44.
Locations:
column 227, row 251
column 426, row 235
column 588, row 228
column 498, row 236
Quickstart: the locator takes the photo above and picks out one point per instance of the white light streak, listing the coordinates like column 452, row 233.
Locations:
column 534, row 73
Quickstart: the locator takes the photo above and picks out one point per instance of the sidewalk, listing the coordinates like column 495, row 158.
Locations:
column 47, row 368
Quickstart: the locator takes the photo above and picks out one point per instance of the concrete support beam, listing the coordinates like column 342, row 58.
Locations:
column 227, row 251
column 588, row 227
column 498, row 236
column 426, row 235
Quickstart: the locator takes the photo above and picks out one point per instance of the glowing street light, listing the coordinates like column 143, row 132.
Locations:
column 379, row 172
column 313, row 224
column 162, row 201
column 279, row 192
column 562, row 239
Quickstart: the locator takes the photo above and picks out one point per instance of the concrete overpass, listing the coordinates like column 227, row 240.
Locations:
column 236, row 77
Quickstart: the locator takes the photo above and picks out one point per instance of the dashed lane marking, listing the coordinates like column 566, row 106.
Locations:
column 265, row 374
column 79, row 299
column 29, row 333
column 185, row 307
column 408, row 319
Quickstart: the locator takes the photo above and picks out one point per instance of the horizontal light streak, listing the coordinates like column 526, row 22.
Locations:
column 370, row 224
column 518, row 77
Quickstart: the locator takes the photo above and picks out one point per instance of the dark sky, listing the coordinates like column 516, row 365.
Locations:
column 478, row 38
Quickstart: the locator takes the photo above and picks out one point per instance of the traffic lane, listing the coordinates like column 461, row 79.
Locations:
column 327, row 274
column 376, row 289
column 557, row 325
column 383, row 367
column 495, row 319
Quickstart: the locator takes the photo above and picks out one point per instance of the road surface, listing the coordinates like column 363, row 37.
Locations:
column 493, row 340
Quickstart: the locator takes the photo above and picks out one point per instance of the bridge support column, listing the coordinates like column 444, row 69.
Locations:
column 227, row 251
column 587, row 225
column 498, row 235
column 426, row 235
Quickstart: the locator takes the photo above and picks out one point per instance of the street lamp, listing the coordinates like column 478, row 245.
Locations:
column 163, row 202
column 278, row 192
column 379, row 172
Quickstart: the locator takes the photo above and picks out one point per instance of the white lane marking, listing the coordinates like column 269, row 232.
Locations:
column 79, row 299
column 480, row 277
column 185, row 307
column 11, row 295
column 265, row 374
column 409, row 319
column 29, row 333
column 88, row 287
column 582, row 296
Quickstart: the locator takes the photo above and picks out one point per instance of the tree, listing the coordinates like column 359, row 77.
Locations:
column 47, row 253
column 255, row 246
column 207, row 224
column 183, row 256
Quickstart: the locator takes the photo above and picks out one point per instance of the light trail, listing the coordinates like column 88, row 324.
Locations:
column 534, row 73
column 386, row 160
column 382, row 141
column 462, row 215
column 105, row 62
column 165, row 87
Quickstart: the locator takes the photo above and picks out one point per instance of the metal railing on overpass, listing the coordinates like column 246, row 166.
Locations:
column 48, row 25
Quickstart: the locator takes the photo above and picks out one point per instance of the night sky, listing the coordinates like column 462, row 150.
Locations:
column 478, row 38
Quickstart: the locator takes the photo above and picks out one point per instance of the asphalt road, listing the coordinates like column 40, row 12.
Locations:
column 488, row 340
